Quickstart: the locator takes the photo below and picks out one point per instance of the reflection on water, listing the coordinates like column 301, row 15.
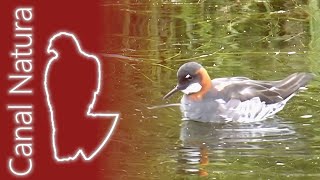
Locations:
column 203, row 142
column 235, row 135
column 263, row 40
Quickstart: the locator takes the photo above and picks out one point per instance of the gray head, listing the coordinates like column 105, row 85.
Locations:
column 189, row 79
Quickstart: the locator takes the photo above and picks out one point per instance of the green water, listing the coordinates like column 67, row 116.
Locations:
column 259, row 39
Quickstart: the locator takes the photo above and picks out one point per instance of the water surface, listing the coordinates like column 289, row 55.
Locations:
column 263, row 40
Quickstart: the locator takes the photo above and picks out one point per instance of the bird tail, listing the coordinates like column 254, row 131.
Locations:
column 292, row 83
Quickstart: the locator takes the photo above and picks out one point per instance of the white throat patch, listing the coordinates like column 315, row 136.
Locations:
column 192, row 88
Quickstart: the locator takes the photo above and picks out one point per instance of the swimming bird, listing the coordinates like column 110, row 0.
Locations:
column 238, row 99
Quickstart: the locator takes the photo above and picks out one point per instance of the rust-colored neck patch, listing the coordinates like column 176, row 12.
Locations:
column 205, row 83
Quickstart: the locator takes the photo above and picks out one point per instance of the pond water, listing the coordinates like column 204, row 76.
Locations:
column 263, row 40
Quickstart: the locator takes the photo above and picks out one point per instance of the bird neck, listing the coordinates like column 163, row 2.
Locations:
column 205, row 81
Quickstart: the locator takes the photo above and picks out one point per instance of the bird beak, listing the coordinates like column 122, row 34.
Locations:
column 174, row 90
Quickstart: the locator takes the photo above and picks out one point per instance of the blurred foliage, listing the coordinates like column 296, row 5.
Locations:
column 260, row 39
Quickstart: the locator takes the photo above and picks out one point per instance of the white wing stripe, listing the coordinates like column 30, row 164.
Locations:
column 252, row 110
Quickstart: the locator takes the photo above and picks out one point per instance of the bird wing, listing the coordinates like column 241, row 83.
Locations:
column 249, row 89
column 269, row 92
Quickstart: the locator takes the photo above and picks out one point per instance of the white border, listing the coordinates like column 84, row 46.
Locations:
column 80, row 151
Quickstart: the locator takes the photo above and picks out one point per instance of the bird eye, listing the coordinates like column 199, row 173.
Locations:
column 188, row 76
